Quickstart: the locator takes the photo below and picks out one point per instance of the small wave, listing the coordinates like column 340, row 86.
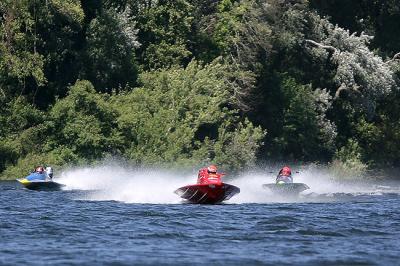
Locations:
column 310, row 232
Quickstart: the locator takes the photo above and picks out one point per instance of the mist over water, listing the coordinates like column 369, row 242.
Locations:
column 140, row 185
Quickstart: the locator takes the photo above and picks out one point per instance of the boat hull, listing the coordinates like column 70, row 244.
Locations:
column 40, row 184
column 207, row 193
column 286, row 188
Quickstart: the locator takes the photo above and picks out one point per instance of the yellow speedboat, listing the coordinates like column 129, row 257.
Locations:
column 37, row 181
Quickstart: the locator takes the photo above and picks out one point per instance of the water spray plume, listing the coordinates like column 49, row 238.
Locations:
column 124, row 184
column 140, row 185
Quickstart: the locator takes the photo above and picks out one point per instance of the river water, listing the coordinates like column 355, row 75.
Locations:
column 133, row 218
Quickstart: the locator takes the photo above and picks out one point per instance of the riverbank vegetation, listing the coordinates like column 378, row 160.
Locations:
column 188, row 82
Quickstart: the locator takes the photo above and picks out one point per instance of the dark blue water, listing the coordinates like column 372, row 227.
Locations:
column 39, row 228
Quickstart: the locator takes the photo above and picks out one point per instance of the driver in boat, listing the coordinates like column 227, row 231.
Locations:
column 209, row 175
column 39, row 170
column 284, row 176
column 43, row 174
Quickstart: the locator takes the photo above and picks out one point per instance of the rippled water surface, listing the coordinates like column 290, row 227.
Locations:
column 77, row 227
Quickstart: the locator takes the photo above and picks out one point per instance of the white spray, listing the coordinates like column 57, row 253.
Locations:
column 124, row 184
column 140, row 185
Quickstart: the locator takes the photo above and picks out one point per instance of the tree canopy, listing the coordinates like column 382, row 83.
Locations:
column 189, row 82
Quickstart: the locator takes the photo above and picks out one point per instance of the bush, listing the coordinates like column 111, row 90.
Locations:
column 184, row 116
column 85, row 123
column 348, row 163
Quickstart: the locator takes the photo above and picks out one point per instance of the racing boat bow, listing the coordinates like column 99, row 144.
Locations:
column 207, row 193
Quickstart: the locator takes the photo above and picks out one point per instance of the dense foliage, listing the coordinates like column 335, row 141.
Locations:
column 189, row 82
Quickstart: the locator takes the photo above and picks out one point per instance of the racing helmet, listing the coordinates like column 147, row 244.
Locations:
column 286, row 171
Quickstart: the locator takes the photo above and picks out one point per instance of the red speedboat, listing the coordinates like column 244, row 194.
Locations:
column 207, row 193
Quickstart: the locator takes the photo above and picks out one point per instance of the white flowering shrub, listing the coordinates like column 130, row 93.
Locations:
column 359, row 71
column 323, row 101
column 128, row 27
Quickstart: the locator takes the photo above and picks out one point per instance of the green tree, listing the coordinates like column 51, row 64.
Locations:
column 164, row 32
column 58, row 27
column 110, row 61
column 79, row 128
column 21, row 65
column 20, row 131
column 305, row 133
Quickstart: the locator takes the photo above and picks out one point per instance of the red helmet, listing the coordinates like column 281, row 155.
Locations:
column 212, row 169
column 39, row 169
column 286, row 171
